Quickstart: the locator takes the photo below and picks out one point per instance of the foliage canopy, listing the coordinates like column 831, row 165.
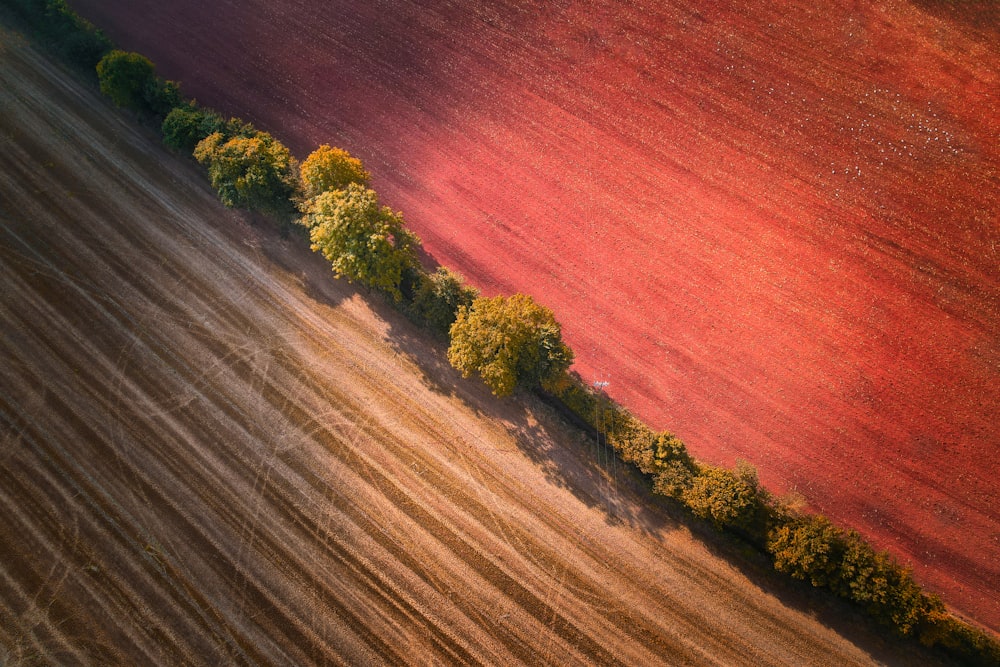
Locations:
column 876, row 581
column 63, row 30
column 726, row 498
column 255, row 173
column 330, row 169
column 808, row 548
column 437, row 298
column 509, row 342
column 188, row 124
column 130, row 80
column 363, row 241
column 124, row 77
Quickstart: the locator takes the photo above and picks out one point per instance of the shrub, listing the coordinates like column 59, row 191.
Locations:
column 970, row 645
column 130, row 81
column 674, row 480
column 669, row 449
column 163, row 96
column 573, row 393
column 62, row 30
column 884, row 587
column 124, row 77
column 632, row 439
column 186, row 125
column 661, row 455
column 809, row 548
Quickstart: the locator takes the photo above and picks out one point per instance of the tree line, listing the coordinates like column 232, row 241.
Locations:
column 511, row 343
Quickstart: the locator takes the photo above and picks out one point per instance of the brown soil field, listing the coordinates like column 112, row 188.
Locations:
column 772, row 226
column 211, row 452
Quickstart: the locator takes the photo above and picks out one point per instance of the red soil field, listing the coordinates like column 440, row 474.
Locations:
column 773, row 228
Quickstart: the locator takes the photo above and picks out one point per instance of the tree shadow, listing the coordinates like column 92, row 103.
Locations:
column 286, row 245
column 575, row 460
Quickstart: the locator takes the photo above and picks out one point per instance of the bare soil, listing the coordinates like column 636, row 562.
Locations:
column 772, row 226
column 211, row 452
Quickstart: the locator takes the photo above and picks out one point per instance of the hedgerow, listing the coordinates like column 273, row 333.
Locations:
column 130, row 80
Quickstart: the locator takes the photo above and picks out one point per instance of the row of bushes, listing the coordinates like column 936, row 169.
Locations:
column 328, row 195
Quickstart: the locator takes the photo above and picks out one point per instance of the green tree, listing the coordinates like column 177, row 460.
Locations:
column 330, row 169
column 130, row 80
column 255, row 173
column 438, row 297
column 62, row 30
column 726, row 498
column 162, row 96
column 187, row 125
column 509, row 342
column 126, row 77
column 363, row 241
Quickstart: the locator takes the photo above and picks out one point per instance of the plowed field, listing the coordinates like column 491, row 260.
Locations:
column 213, row 453
column 772, row 226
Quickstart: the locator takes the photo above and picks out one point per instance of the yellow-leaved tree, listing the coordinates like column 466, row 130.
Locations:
column 330, row 169
column 509, row 342
column 364, row 242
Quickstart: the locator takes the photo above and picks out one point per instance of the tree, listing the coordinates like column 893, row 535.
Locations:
column 809, row 548
column 727, row 498
column 125, row 77
column 331, row 169
column 672, row 466
column 363, row 241
column 162, row 96
column 509, row 342
column 62, row 30
column 879, row 583
column 438, row 297
column 256, row 173
column 673, row 480
column 129, row 79
column 187, row 125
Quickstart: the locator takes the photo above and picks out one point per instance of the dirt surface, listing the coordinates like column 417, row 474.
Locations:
column 211, row 452
column 773, row 227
